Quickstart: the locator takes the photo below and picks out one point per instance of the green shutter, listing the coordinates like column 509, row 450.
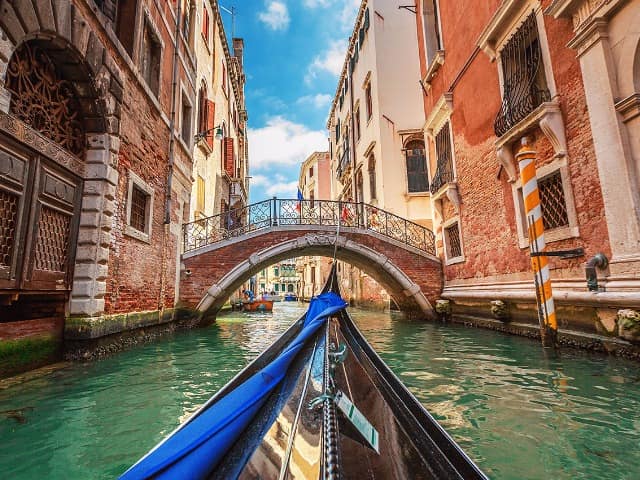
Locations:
column 366, row 19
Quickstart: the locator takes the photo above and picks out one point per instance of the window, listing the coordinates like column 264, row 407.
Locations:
column 524, row 82
column 366, row 20
column 126, row 10
column 262, row 287
column 276, row 287
column 552, row 202
column 186, row 21
column 453, row 244
column 432, row 32
column 367, row 94
column 359, row 186
column 338, row 131
column 151, row 56
column 202, row 108
column 224, row 79
column 417, row 179
column 186, row 119
column 371, row 168
column 276, row 271
column 357, row 121
column 310, row 172
column 444, row 155
column 205, row 23
column 200, row 199
column 312, row 197
column 139, row 208
column 313, row 274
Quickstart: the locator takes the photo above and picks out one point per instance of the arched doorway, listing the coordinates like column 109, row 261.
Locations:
column 54, row 109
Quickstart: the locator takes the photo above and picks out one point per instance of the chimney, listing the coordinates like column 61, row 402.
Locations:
column 238, row 47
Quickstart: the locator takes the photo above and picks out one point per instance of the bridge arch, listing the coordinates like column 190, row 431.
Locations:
column 211, row 274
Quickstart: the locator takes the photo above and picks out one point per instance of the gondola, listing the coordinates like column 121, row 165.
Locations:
column 319, row 403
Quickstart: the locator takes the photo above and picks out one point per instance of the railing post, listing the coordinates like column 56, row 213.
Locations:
column 405, row 232
column 184, row 238
column 274, row 216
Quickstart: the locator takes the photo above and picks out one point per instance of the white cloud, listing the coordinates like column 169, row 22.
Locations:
column 319, row 100
column 276, row 16
column 331, row 60
column 317, row 3
column 283, row 143
column 275, row 185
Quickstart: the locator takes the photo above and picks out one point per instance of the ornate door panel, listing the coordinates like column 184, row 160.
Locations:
column 14, row 172
column 53, row 227
column 39, row 216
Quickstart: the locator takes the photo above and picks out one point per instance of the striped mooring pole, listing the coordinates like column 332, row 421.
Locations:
column 526, row 157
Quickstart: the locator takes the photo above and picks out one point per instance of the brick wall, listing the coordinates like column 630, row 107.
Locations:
column 487, row 213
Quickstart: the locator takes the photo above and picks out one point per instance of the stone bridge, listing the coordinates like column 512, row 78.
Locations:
column 224, row 251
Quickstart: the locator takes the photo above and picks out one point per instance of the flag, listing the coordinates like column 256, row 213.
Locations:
column 300, row 199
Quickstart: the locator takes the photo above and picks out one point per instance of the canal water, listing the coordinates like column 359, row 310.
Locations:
column 517, row 414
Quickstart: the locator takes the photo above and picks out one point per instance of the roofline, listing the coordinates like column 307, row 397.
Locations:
column 307, row 161
column 345, row 66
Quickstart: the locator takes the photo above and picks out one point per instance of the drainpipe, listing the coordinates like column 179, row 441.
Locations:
column 600, row 261
column 172, row 123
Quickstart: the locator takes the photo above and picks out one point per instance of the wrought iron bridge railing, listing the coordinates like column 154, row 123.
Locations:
column 284, row 212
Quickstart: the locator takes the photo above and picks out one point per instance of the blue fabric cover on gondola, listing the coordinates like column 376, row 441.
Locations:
column 196, row 448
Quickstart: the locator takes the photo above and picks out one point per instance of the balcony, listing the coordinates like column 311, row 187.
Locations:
column 444, row 174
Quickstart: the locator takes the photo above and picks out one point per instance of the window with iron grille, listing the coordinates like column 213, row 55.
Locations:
column 444, row 154
column 452, row 240
column 357, row 122
column 552, row 202
column 524, row 82
column 138, row 216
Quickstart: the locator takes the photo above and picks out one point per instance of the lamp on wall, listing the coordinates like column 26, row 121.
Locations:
column 219, row 135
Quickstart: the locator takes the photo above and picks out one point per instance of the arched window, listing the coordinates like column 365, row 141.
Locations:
column 417, row 179
column 359, row 186
column 371, row 168
column 42, row 99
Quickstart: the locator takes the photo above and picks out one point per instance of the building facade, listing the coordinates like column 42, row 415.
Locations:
column 562, row 75
column 375, row 127
column 97, row 122
column 278, row 279
column 221, row 148
column 314, row 183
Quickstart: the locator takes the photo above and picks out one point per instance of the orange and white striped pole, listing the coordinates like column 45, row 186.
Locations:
column 526, row 158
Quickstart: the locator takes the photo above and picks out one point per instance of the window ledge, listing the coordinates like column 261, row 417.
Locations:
column 432, row 70
column 548, row 117
column 555, row 235
column 137, row 234
column 454, row 260
column 418, row 194
column 204, row 146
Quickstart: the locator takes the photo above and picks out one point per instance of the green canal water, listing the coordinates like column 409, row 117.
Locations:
column 517, row 414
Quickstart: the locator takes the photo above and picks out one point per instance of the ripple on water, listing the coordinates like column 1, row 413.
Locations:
column 518, row 414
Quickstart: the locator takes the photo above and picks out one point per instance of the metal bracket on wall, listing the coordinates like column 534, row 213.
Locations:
column 563, row 254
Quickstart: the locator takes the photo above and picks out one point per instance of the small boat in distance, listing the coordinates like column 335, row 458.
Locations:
column 319, row 403
column 274, row 297
column 290, row 297
column 256, row 305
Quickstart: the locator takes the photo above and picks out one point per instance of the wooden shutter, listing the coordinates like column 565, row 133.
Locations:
column 228, row 156
column 211, row 116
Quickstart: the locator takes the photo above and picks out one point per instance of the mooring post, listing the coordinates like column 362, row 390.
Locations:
column 526, row 158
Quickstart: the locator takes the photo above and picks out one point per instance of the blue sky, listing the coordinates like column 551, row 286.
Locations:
column 294, row 51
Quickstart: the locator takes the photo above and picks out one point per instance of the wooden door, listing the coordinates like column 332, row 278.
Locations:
column 41, row 201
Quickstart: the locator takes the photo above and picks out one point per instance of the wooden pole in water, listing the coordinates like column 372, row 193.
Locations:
column 526, row 158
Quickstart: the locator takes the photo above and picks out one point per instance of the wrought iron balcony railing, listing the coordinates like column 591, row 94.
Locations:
column 525, row 86
column 443, row 175
column 279, row 212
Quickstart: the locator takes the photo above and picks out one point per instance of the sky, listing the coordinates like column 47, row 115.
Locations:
column 293, row 55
